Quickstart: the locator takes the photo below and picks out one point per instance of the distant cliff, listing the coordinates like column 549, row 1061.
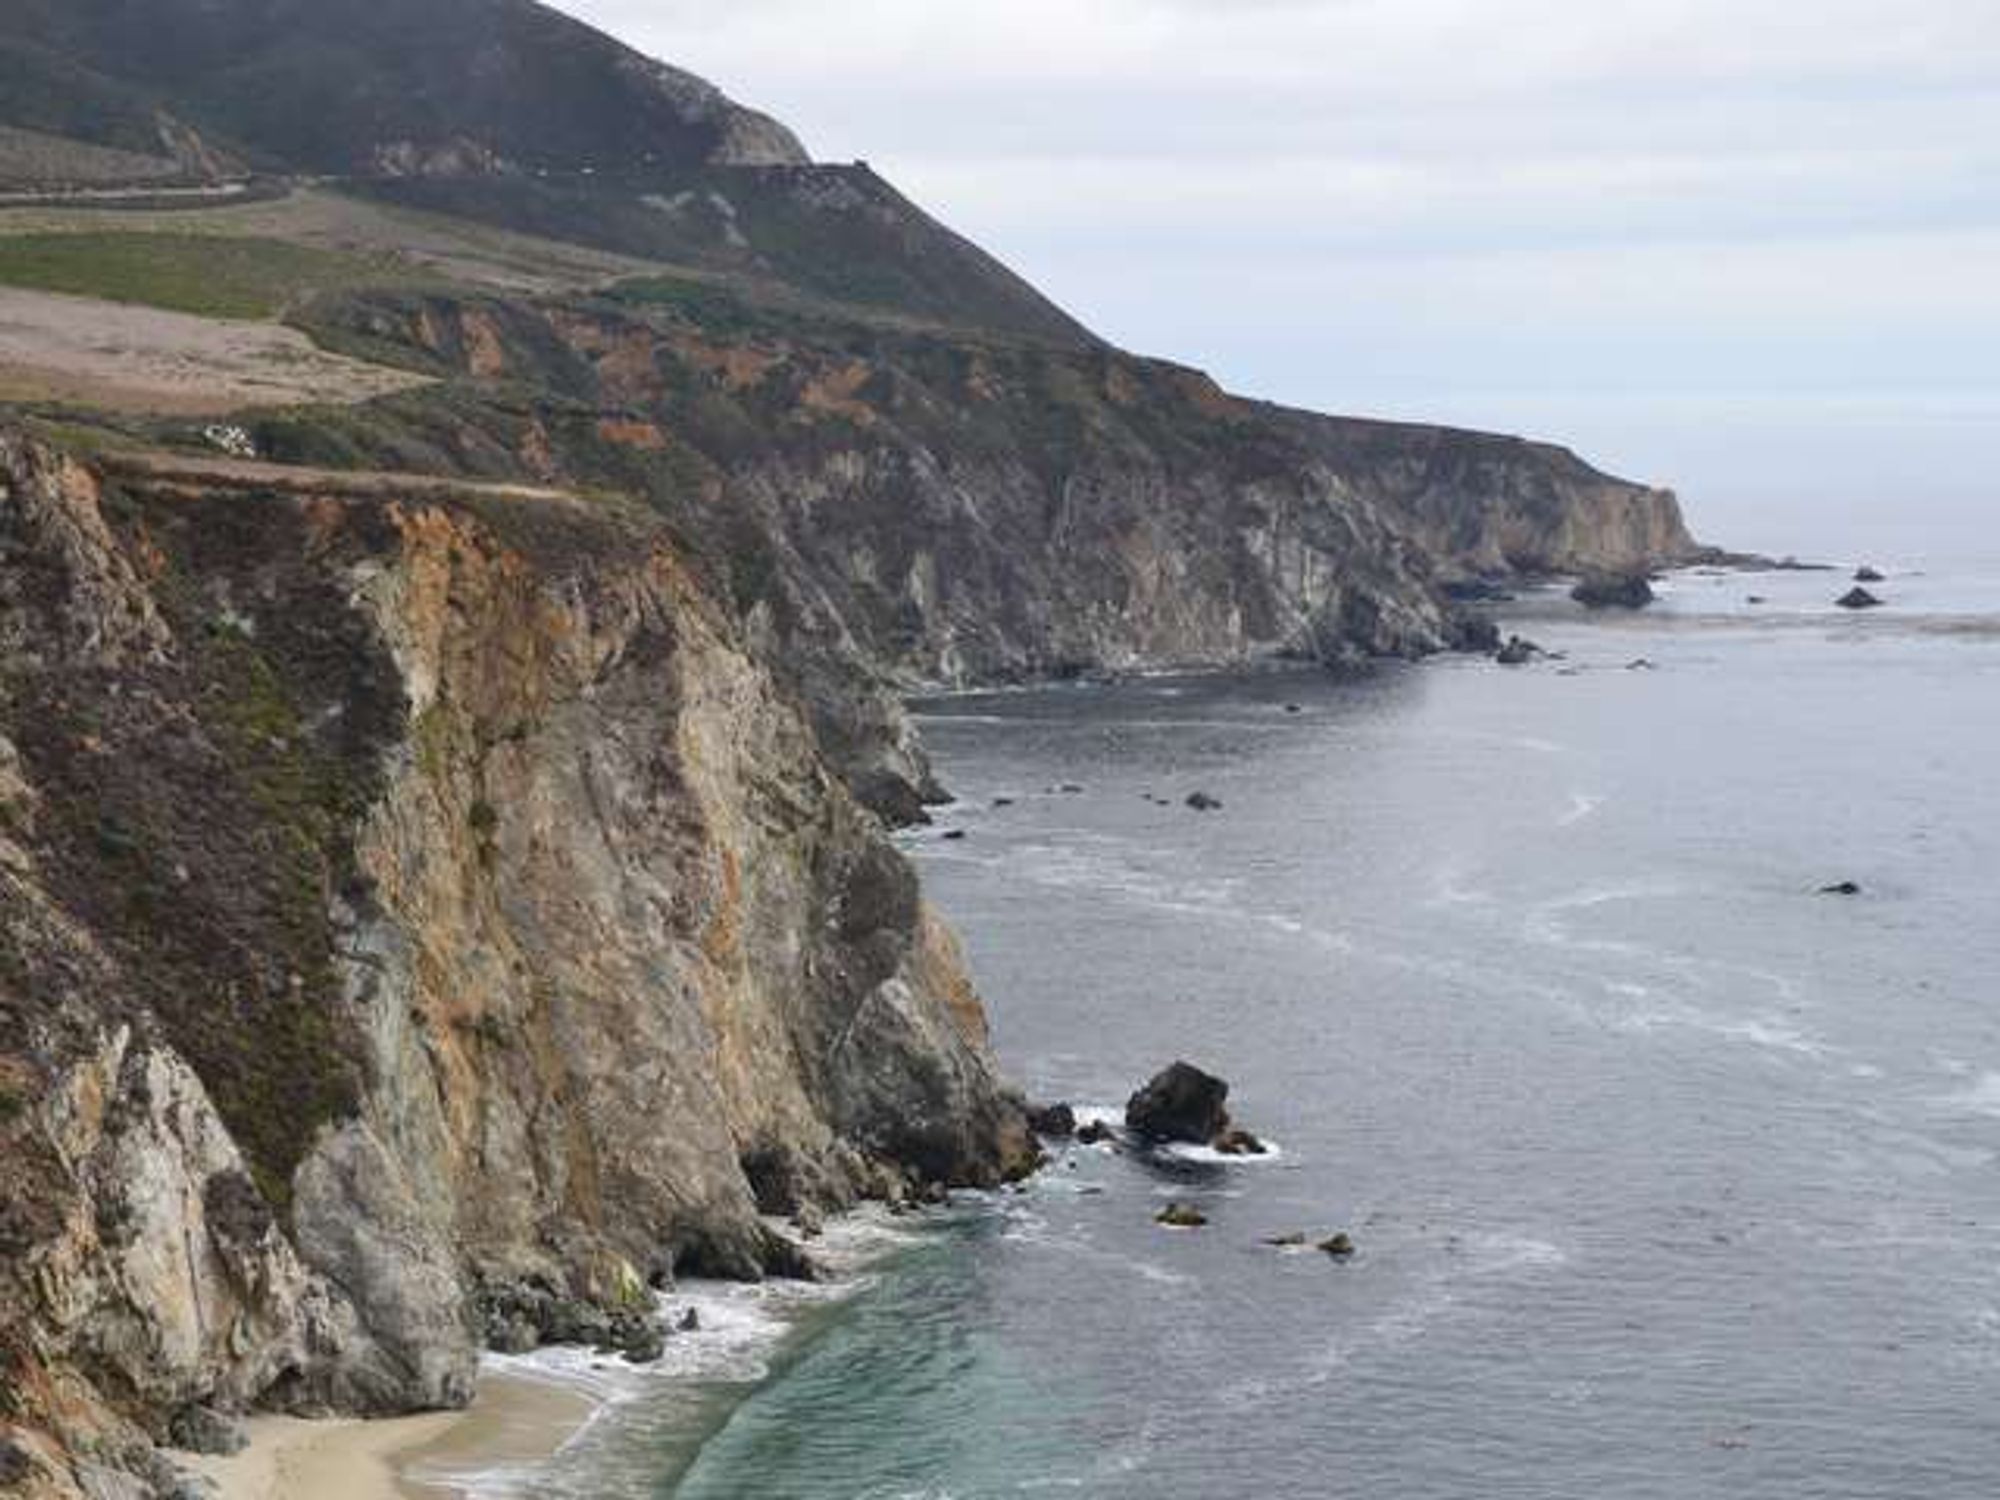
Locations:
column 891, row 507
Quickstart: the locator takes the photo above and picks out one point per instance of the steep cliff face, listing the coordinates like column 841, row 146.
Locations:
column 890, row 507
column 1491, row 506
column 409, row 898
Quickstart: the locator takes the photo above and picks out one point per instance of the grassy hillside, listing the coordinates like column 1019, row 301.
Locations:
column 209, row 275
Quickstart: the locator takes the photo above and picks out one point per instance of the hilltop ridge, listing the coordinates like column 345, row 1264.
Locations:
column 358, row 87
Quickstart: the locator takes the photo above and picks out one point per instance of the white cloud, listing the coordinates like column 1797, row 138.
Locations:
column 1365, row 201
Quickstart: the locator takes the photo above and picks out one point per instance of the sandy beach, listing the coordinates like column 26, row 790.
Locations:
column 405, row 1458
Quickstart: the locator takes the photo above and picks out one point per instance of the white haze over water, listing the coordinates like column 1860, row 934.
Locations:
column 1749, row 251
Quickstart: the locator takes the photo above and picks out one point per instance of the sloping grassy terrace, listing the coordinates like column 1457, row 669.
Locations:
column 215, row 276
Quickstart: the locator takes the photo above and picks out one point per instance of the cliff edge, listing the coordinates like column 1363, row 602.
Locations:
column 409, row 897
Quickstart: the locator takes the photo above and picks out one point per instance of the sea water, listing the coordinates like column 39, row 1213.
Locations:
column 1670, row 1175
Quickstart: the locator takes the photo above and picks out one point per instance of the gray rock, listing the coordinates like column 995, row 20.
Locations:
column 1858, row 598
column 16, row 1463
column 1475, row 633
column 203, row 1429
column 1181, row 1103
column 1056, row 1121
column 1622, row 591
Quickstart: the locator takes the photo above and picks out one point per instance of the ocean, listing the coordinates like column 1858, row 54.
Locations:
column 1671, row 1176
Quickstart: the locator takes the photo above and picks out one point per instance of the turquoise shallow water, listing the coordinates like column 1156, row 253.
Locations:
column 1671, row 1176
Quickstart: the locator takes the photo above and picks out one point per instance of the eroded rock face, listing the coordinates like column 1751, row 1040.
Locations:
column 402, row 894
column 889, row 509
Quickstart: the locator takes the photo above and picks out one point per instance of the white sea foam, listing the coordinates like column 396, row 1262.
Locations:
column 1582, row 805
column 1113, row 1116
column 1982, row 1097
column 1484, row 1255
column 1208, row 1155
column 1026, row 1226
column 740, row 1326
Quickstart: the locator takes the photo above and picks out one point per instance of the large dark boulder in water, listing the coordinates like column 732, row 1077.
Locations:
column 1624, row 591
column 1518, row 652
column 1858, row 598
column 1056, row 1121
column 1180, row 1104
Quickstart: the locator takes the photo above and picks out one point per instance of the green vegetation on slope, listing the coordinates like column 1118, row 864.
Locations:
column 197, row 810
column 210, row 275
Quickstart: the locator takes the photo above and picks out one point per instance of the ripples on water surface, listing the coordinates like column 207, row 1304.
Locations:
column 1671, row 1176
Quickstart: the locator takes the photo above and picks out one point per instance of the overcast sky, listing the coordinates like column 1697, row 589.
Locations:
column 1751, row 249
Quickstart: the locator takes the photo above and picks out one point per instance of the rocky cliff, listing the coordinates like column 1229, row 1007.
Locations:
column 891, row 506
column 413, row 901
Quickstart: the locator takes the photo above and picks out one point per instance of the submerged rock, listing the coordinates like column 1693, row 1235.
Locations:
column 1202, row 802
column 1095, row 1133
column 1293, row 1241
column 1518, row 652
column 1624, row 591
column 1181, row 1216
column 1866, row 574
column 1858, row 598
column 1339, row 1246
column 1239, row 1142
column 644, row 1346
column 1841, row 888
column 1181, row 1103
